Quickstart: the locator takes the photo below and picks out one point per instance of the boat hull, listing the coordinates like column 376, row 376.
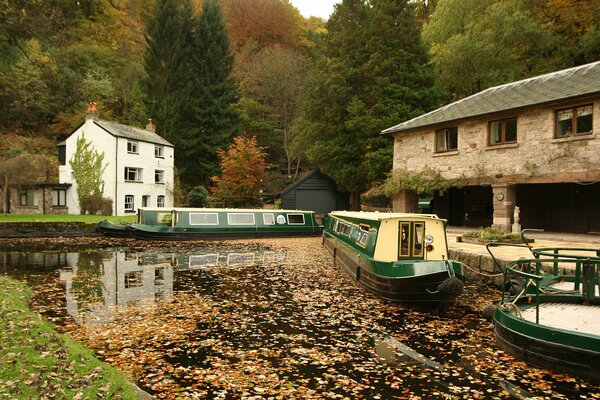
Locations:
column 108, row 228
column 419, row 288
column 150, row 233
column 531, row 343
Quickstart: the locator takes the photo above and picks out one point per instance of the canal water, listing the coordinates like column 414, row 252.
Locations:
column 272, row 319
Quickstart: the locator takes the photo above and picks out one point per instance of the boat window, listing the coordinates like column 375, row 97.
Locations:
column 404, row 239
column 363, row 235
column 164, row 218
column 338, row 227
column 269, row 219
column 240, row 219
column 204, row 219
column 419, row 233
column 295, row 219
column 204, row 260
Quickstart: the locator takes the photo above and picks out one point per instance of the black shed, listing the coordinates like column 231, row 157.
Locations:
column 315, row 191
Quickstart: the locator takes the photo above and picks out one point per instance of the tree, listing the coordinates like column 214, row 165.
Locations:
column 243, row 171
column 87, row 166
column 209, row 110
column 477, row 44
column 275, row 80
column 375, row 75
column 198, row 197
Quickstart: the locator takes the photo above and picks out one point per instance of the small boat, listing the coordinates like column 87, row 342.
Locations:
column 111, row 229
column 400, row 257
column 222, row 223
column 549, row 314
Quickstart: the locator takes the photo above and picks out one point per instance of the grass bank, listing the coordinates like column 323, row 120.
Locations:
column 37, row 362
column 88, row 219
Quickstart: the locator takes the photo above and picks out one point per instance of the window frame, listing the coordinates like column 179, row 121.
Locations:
column 160, row 201
column 296, row 215
column 573, row 110
column 126, row 202
column 268, row 222
column 446, row 132
column 159, row 151
column 138, row 174
column 133, row 146
column 200, row 213
column 62, row 195
column 503, row 140
column 159, row 176
column 35, row 201
column 231, row 219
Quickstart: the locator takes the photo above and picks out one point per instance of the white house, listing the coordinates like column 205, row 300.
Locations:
column 139, row 164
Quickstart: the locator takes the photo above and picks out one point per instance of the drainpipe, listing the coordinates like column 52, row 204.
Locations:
column 43, row 200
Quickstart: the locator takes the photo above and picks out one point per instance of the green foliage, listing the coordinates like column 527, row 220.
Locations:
column 374, row 74
column 198, row 197
column 243, row 166
column 492, row 234
column 87, row 166
column 426, row 181
column 54, row 218
column 96, row 204
column 87, row 287
column 475, row 44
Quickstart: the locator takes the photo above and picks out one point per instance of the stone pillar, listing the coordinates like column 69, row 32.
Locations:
column 406, row 202
column 505, row 199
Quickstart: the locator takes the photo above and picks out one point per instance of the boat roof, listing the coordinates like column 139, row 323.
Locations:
column 378, row 216
column 189, row 209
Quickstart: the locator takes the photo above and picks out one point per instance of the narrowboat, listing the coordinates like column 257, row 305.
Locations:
column 399, row 257
column 222, row 223
column 549, row 314
column 109, row 228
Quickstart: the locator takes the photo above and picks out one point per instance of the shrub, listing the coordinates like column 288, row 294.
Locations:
column 491, row 234
column 95, row 204
column 198, row 197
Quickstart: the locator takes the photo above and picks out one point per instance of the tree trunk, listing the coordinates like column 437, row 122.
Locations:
column 297, row 168
column 5, row 194
column 355, row 201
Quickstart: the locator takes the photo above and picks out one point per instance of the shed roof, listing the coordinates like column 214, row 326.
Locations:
column 131, row 132
column 560, row 85
column 311, row 174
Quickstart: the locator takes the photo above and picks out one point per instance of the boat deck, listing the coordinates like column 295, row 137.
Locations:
column 568, row 286
column 574, row 317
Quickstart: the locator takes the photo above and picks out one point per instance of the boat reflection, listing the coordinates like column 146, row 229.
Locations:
column 233, row 259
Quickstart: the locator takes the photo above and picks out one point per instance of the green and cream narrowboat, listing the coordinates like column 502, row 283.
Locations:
column 549, row 314
column 400, row 257
column 222, row 223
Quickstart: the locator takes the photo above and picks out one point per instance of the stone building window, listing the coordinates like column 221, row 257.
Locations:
column 29, row 198
column 446, row 140
column 503, row 131
column 59, row 198
column 129, row 203
column 574, row 121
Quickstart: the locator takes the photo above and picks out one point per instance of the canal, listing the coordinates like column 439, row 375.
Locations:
column 270, row 319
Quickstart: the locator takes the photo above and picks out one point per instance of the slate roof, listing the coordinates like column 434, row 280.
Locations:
column 560, row 85
column 131, row 132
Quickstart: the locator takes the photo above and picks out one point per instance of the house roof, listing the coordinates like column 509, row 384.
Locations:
column 560, row 85
column 303, row 179
column 131, row 132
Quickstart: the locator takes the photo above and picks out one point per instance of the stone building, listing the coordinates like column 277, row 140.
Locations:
column 533, row 143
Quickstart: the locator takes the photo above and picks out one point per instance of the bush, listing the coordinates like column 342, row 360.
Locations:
column 491, row 234
column 198, row 197
column 96, row 204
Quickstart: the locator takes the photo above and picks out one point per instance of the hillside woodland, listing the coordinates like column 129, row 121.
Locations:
column 314, row 93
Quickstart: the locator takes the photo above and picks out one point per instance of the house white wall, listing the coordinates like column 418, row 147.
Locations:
column 116, row 159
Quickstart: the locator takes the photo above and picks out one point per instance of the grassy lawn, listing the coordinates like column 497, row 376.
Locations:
column 37, row 362
column 90, row 219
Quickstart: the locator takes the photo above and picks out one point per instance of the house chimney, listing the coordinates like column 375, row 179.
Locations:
column 92, row 112
column 150, row 125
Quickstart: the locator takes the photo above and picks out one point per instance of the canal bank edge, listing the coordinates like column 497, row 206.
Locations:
column 46, row 229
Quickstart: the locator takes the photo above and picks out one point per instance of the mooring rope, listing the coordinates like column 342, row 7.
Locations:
column 477, row 271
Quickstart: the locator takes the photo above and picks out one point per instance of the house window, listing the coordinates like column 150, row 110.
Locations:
column 503, row 131
column 59, row 198
column 446, row 140
column 134, row 279
column 160, row 201
column 132, row 146
column 129, row 202
column 159, row 152
column 574, row 121
column 29, row 198
column 133, row 174
column 159, row 176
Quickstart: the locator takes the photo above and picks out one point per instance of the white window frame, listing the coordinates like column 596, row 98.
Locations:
column 129, row 201
column 248, row 223
column 59, row 197
column 159, row 176
column 29, row 194
column 133, row 147
column 160, row 201
column 268, row 222
column 159, row 151
column 296, row 223
column 209, row 223
column 138, row 174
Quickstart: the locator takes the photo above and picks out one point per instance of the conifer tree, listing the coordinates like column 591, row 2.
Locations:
column 211, row 117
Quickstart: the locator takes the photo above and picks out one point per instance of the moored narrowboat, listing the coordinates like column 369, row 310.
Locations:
column 400, row 257
column 223, row 223
column 111, row 229
column 549, row 314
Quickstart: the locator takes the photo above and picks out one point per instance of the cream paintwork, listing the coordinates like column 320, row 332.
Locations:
column 386, row 248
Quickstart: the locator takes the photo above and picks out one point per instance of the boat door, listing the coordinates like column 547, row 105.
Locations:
column 410, row 239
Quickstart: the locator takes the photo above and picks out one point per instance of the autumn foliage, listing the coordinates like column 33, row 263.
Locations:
column 243, row 171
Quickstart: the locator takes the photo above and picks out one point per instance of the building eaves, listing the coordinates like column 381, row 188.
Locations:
column 555, row 86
